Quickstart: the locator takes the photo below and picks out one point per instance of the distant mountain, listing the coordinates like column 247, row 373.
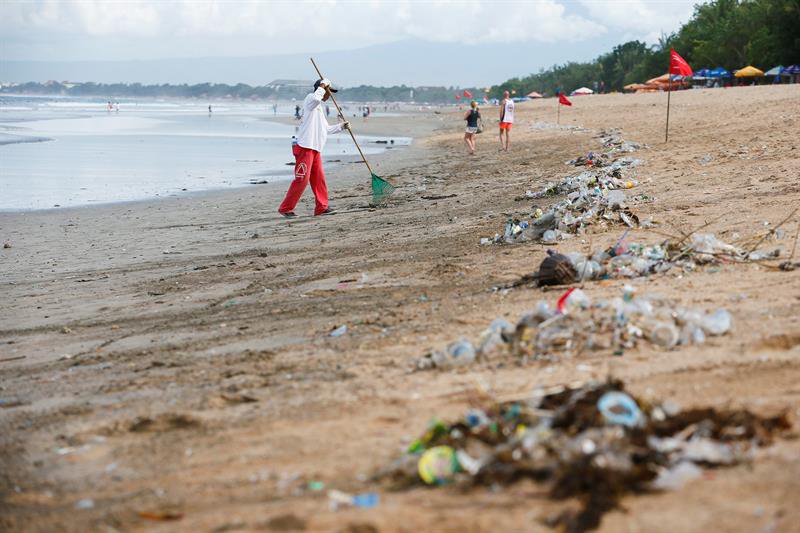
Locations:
column 410, row 62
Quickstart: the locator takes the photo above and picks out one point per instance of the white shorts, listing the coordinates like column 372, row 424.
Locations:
column 471, row 130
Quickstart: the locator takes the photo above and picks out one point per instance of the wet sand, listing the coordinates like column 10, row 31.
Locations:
column 174, row 355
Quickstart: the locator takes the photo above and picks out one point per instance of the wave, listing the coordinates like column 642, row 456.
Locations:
column 9, row 138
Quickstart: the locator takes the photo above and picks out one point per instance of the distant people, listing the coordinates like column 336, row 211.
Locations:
column 327, row 110
column 472, row 117
column 297, row 112
column 116, row 107
column 275, row 109
column 209, row 109
column 110, row 107
column 314, row 130
column 506, row 120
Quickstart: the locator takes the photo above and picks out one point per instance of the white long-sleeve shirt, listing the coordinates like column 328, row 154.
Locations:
column 314, row 128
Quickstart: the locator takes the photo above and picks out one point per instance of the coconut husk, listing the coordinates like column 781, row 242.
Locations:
column 556, row 269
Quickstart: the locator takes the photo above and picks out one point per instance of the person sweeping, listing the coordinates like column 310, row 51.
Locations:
column 314, row 130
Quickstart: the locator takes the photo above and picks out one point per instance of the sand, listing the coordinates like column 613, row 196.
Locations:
column 174, row 354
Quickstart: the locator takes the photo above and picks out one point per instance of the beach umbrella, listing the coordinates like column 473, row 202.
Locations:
column 749, row 72
column 792, row 70
column 775, row 71
column 534, row 94
column 702, row 73
column 582, row 91
column 719, row 72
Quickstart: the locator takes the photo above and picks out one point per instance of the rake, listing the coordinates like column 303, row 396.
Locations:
column 381, row 189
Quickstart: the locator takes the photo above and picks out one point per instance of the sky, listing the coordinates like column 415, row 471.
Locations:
column 123, row 30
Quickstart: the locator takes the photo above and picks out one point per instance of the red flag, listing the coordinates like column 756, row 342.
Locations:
column 458, row 97
column 678, row 65
column 563, row 99
column 467, row 94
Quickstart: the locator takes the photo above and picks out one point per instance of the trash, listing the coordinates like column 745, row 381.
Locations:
column 438, row 465
column 676, row 477
column 85, row 503
column 316, row 486
column 571, row 216
column 6, row 244
column 459, row 353
column 632, row 260
column 338, row 332
column 573, row 299
column 556, row 269
column 578, row 325
column 619, row 408
column 592, row 441
column 338, row 499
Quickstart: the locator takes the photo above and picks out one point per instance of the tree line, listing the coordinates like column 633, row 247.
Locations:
column 722, row 33
column 241, row 91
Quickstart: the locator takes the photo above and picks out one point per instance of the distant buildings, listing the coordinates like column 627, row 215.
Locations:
column 290, row 84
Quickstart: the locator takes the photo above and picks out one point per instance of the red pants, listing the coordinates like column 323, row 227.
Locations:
column 307, row 167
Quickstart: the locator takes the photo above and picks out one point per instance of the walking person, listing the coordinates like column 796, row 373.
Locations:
column 506, row 120
column 314, row 130
column 472, row 117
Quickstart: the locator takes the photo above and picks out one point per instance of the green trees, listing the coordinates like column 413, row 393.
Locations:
column 721, row 33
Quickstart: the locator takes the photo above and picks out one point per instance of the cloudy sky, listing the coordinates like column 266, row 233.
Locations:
column 79, row 30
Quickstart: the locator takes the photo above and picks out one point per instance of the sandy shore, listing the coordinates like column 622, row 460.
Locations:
column 208, row 316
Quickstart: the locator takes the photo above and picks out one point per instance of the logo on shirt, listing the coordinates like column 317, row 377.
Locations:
column 300, row 171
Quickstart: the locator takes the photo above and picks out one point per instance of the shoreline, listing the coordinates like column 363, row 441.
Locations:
column 334, row 169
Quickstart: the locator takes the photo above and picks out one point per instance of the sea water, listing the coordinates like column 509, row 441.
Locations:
column 59, row 152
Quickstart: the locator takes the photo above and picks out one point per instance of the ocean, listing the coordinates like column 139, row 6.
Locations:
column 60, row 152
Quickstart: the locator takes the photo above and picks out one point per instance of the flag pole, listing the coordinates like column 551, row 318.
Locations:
column 669, row 93
column 558, row 109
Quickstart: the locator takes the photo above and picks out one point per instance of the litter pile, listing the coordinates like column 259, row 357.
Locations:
column 594, row 442
column 577, row 325
column 593, row 197
column 571, row 216
column 623, row 260
column 551, row 126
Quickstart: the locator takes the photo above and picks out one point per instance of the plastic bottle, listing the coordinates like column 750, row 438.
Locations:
column 616, row 198
column 572, row 300
column 459, row 353
column 663, row 334
column 717, row 323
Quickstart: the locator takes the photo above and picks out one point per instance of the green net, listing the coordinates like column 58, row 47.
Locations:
column 381, row 189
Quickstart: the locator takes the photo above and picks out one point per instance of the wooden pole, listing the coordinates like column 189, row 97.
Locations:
column 558, row 107
column 669, row 93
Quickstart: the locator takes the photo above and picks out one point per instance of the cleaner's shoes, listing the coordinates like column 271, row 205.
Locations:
column 289, row 214
column 328, row 211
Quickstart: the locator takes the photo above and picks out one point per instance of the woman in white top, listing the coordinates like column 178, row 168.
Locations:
column 506, row 120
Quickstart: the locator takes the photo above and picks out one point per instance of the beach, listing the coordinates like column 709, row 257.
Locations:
column 175, row 356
